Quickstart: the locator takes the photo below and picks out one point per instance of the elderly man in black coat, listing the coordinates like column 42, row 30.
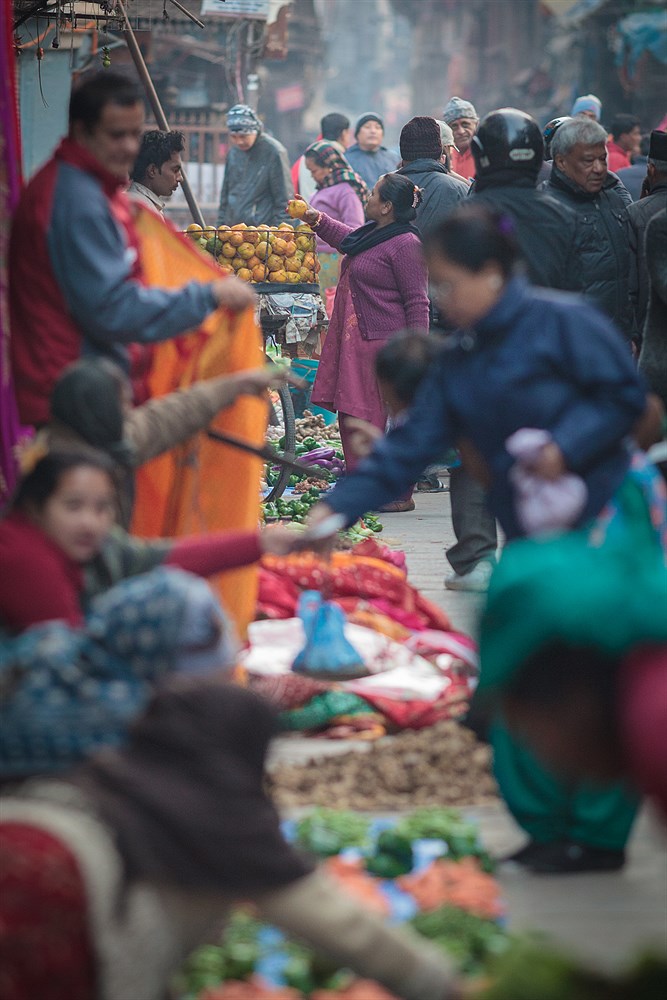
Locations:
column 580, row 179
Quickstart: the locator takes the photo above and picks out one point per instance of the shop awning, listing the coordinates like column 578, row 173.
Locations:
column 642, row 33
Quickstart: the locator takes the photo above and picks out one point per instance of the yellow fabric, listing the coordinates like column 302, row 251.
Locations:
column 202, row 486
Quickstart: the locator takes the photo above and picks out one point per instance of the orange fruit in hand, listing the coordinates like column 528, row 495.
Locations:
column 296, row 208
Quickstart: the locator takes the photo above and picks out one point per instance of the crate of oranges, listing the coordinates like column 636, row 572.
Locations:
column 282, row 254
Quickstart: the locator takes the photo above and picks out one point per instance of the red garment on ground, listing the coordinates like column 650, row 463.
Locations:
column 348, row 575
column 45, row 947
column 617, row 158
column 643, row 702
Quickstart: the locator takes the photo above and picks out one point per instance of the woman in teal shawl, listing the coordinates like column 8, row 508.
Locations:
column 573, row 651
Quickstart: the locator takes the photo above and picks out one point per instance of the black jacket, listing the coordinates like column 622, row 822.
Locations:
column 640, row 214
column 653, row 356
column 546, row 232
column 440, row 192
column 603, row 251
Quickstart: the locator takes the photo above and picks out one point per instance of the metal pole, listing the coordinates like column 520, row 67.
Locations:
column 154, row 101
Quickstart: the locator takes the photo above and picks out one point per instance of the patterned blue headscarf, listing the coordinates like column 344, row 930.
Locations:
column 242, row 118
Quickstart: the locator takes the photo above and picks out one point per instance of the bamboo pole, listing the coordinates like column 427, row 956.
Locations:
column 154, row 101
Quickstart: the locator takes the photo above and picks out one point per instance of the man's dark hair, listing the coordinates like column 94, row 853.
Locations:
column 623, row 123
column 404, row 361
column 332, row 125
column 156, row 147
column 92, row 95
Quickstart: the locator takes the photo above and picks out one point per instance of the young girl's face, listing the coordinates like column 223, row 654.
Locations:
column 79, row 514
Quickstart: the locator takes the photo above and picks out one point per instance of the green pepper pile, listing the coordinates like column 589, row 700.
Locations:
column 393, row 855
column 235, row 958
column 326, row 832
column 433, row 823
column 470, row 941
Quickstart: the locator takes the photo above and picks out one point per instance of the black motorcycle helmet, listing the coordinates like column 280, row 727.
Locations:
column 508, row 139
column 549, row 132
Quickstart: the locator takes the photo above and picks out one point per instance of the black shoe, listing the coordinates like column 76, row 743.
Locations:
column 566, row 857
column 524, row 855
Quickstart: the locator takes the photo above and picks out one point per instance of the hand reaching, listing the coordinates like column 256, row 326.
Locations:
column 311, row 215
column 232, row 293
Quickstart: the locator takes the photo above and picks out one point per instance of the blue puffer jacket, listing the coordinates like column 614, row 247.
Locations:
column 603, row 252
column 538, row 359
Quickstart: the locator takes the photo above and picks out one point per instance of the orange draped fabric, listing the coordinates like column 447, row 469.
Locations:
column 202, row 486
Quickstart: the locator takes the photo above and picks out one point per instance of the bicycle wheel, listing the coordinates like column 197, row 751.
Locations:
column 283, row 409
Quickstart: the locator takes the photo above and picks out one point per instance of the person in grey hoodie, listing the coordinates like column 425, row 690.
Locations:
column 257, row 184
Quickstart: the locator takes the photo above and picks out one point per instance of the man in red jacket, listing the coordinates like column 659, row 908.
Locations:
column 76, row 284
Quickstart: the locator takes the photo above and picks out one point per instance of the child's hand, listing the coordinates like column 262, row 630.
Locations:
column 279, row 540
column 550, row 464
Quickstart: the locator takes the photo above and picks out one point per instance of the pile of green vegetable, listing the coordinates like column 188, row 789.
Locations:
column 433, row 823
column 326, row 832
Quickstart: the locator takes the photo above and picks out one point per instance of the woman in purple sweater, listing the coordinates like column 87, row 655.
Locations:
column 382, row 289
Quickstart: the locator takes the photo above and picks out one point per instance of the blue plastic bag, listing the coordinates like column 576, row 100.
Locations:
column 327, row 653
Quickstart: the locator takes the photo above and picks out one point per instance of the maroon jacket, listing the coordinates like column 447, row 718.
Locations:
column 75, row 278
column 389, row 282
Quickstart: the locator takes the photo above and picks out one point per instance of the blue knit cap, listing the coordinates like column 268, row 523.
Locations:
column 588, row 102
column 241, row 118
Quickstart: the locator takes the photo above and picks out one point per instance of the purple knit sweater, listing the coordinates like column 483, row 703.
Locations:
column 341, row 203
column 389, row 282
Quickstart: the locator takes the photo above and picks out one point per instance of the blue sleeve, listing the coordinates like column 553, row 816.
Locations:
column 92, row 265
column 398, row 459
column 593, row 355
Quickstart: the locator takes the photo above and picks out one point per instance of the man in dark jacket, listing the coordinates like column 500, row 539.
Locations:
column 257, row 184
column 640, row 214
column 653, row 356
column 508, row 150
column 421, row 150
column 581, row 181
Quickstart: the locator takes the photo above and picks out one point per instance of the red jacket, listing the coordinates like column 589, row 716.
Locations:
column 617, row 158
column 45, row 336
column 75, row 278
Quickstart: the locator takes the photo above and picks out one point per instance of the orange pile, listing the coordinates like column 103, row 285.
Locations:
column 261, row 253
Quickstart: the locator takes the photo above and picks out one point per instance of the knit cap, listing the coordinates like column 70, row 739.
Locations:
column 242, row 118
column 446, row 135
column 369, row 116
column 458, row 108
column 420, row 139
column 588, row 102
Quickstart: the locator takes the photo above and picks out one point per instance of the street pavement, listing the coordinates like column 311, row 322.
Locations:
column 605, row 919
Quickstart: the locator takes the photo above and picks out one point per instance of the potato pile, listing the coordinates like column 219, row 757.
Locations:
column 314, row 425
column 442, row 765
column 261, row 253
